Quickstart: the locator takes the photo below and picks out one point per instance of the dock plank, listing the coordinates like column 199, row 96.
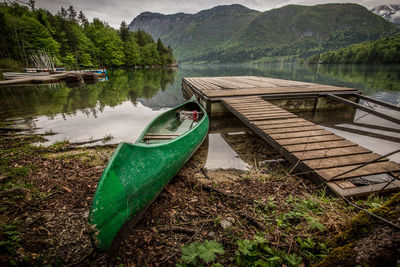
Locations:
column 323, row 145
column 309, row 140
column 272, row 90
column 269, row 112
column 286, row 125
column 325, row 163
column 331, row 152
column 291, row 130
column 374, row 168
column 280, row 121
column 270, row 117
column 300, row 134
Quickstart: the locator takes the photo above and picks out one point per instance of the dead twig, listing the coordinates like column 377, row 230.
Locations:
column 178, row 229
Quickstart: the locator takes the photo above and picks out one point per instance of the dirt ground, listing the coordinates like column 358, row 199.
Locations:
column 46, row 193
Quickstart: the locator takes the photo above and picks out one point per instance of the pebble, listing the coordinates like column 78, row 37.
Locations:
column 227, row 222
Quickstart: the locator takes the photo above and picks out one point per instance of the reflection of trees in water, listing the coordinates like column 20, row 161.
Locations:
column 53, row 99
column 143, row 83
column 369, row 78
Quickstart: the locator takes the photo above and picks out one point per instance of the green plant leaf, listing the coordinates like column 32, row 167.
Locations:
column 314, row 224
column 190, row 253
column 292, row 260
column 209, row 249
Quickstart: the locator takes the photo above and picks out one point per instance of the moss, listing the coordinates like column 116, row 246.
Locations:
column 363, row 223
column 360, row 226
column 341, row 256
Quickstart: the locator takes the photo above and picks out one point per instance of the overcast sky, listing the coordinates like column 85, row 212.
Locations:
column 115, row 11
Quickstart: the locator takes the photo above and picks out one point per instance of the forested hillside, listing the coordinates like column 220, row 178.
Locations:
column 73, row 40
column 385, row 50
column 234, row 33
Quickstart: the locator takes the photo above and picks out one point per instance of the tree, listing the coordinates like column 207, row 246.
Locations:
column 82, row 18
column 132, row 52
column 123, row 31
column 71, row 13
column 31, row 4
column 160, row 47
column 63, row 13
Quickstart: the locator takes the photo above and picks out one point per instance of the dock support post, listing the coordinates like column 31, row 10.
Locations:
column 208, row 107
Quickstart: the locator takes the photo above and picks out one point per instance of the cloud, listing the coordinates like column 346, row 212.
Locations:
column 115, row 11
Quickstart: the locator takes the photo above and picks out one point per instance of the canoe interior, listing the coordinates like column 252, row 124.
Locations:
column 169, row 125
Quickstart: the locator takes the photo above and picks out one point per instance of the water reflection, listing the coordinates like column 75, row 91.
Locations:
column 222, row 156
column 124, row 104
column 124, row 122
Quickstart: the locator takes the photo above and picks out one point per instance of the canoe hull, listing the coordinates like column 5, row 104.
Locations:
column 134, row 177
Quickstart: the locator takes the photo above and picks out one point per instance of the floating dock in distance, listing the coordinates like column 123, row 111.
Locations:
column 263, row 103
column 69, row 76
column 290, row 95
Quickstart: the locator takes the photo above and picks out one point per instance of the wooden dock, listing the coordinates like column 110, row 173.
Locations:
column 69, row 76
column 319, row 153
column 347, row 168
column 290, row 95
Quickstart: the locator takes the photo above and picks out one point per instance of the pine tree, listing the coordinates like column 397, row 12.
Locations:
column 140, row 37
column 63, row 13
column 82, row 18
column 72, row 13
column 31, row 4
column 160, row 46
column 123, row 31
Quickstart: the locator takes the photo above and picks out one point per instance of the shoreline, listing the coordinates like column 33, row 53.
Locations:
column 47, row 193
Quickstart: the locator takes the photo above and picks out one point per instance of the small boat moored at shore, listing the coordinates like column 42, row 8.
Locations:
column 136, row 173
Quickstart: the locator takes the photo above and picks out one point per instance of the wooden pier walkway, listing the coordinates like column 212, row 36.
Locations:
column 322, row 154
column 263, row 104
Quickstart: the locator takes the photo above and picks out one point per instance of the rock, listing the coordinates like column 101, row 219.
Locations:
column 227, row 222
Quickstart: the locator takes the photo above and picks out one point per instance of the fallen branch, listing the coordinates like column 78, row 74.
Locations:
column 178, row 229
column 253, row 221
column 211, row 189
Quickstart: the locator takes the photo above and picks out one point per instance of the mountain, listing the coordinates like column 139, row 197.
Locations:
column 234, row 33
column 199, row 32
column 389, row 12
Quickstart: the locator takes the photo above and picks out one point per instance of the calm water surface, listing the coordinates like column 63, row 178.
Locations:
column 130, row 99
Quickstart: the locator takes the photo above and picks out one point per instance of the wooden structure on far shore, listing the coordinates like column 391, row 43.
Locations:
column 263, row 103
column 68, row 76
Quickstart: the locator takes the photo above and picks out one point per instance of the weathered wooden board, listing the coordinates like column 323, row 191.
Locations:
column 363, row 190
column 280, row 121
column 282, row 126
column 330, row 152
column 291, row 130
column 309, row 140
column 284, row 114
column 373, row 168
column 257, row 109
column 341, row 161
column 345, row 184
column 300, row 134
column 320, row 145
column 270, row 117
column 266, row 111
column 273, row 90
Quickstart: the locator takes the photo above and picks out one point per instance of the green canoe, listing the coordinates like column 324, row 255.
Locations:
column 136, row 173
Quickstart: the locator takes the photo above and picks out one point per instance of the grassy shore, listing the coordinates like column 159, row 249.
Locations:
column 221, row 217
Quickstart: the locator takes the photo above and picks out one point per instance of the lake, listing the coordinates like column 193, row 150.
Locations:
column 123, row 105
